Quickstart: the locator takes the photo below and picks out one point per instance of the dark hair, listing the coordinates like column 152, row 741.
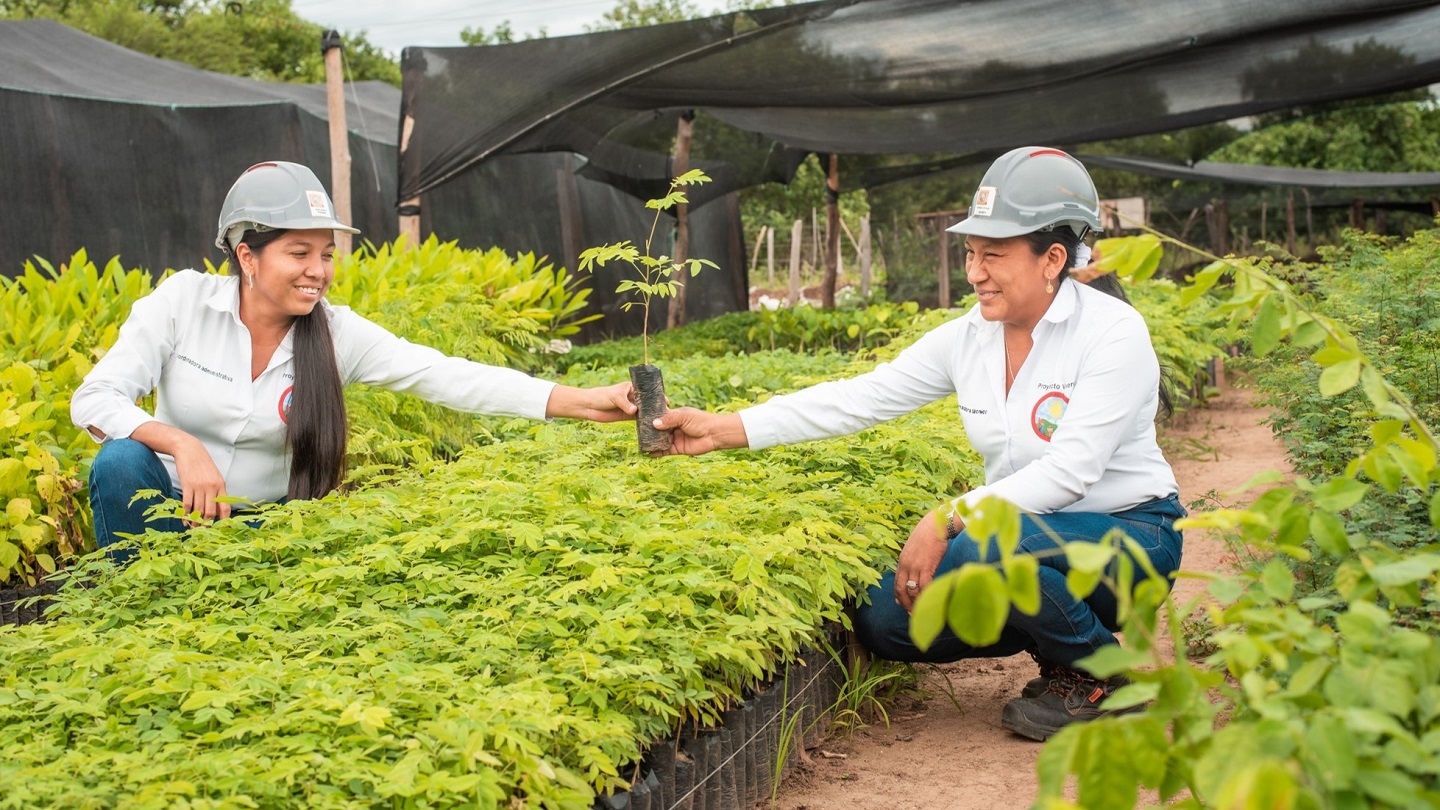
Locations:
column 316, row 429
column 1065, row 237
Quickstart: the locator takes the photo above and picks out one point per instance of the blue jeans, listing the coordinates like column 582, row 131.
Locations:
column 1066, row 629
column 122, row 468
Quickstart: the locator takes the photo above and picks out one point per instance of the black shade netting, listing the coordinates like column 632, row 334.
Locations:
column 127, row 155
column 901, row 76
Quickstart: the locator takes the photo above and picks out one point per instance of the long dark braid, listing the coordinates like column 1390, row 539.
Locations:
column 316, row 429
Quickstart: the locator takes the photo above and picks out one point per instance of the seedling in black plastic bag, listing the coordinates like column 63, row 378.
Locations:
column 658, row 277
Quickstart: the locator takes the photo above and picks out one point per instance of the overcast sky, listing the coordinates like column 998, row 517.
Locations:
column 394, row 24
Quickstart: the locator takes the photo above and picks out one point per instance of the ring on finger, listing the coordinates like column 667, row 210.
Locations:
column 911, row 585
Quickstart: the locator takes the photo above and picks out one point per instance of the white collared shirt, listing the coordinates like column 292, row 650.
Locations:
column 185, row 342
column 1076, row 433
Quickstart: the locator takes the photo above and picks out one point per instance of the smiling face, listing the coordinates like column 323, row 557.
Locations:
column 1009, row 279
column 291, row 274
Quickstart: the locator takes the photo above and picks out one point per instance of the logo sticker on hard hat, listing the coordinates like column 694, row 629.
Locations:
column 319, row 206
column 284, row 406
column 984, row 201
column 1045, row 418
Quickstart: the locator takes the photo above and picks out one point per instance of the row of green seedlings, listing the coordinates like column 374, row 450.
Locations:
column 465, row 631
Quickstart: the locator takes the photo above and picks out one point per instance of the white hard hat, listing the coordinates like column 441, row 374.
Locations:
column 1030, row 189
column 274, row 195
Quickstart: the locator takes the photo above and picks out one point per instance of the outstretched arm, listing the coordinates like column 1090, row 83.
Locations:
column 697, row 432
column 611, row 403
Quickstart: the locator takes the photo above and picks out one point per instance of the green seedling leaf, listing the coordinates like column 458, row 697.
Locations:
column 1339, row 494
column 1340, row 377
column 928, row 617
column 979, row 605
column 1022, row 580
column 1278, row 580
column 1203, row 282
column 1329, row 534
column 1406, row 571
column 1132, row 257
column 1265, row 331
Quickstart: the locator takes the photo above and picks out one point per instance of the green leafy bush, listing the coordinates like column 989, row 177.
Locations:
column 50, row 321
column 1388, row 295
column 485, row 305
column 1187, row 338
column 806, row 328
column 512, row 629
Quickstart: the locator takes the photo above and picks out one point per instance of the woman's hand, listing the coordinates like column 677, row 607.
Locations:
column 920, row 557
column 696, row 431
column 201, row 484
column 610, row 403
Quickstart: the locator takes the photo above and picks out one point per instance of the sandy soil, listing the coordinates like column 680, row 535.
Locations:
column 944, row 754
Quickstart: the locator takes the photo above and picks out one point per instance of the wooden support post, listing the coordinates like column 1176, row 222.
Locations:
column 755, row 254
column 865, row 257
column 567, row 201
column 797, row 236
column 943, row 274
column 410, row 208
column 770, row 257
column 832, row 234
column 1217, row 217
column 1357, row 214
column 1225, row 226
column 1290, row 223
column 734, row 254
column 332, row 48
column 816, row 257
column 683, row 129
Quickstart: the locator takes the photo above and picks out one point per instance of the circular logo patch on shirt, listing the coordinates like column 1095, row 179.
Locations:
column 284, row 405
column 1046, row 416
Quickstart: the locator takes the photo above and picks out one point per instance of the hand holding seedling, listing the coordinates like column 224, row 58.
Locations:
column 611, row 403
column 694, row 432
column 656, row 277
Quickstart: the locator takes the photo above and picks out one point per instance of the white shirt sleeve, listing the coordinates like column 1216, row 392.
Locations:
column 131, row 368
column 372, row 355
column 917, row 377
column 1114, row 399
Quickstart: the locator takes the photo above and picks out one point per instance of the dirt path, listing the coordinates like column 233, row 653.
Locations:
column 939, row 754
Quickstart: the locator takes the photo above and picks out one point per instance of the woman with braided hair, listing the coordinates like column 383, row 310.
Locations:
column 249, row 370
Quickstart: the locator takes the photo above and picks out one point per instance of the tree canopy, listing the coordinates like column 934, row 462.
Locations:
column 258, row 39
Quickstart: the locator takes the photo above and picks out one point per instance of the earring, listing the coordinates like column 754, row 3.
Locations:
column 250, row 280
column 1049, row 285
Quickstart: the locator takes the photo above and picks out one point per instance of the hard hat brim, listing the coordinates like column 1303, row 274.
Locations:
column 989, row 228
column 304, row 225
column 331, row 224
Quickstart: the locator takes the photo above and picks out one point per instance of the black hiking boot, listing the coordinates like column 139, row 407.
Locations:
column 1036, row 687
column 1071, row 697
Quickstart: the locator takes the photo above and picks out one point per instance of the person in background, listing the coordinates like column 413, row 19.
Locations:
column 249, row 369
column 1059, row 388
